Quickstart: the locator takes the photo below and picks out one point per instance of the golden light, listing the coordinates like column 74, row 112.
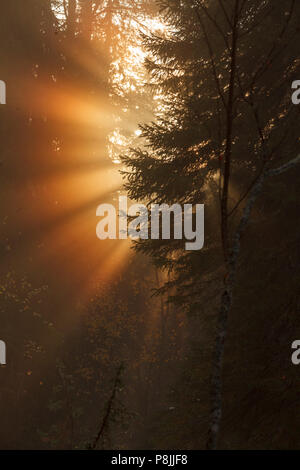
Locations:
column 79, row 169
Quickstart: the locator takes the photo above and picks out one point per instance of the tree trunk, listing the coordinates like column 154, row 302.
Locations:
column 226, row 303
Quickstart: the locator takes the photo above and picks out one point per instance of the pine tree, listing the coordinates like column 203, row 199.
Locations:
column 225, row 122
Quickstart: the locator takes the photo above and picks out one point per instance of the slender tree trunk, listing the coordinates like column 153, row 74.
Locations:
column 217, row 366
column 226, row 303
column 71, row 18
column 86, row 19
column 229, row 119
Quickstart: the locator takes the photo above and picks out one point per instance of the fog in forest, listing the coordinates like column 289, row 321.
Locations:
column 120, row 344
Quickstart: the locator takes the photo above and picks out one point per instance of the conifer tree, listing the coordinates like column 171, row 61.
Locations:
column 223, row 71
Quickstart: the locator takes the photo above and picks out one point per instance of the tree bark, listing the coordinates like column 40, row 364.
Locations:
column 226, row 304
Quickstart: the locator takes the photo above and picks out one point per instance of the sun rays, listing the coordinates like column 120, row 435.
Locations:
column 75, row 134
column 62, row 186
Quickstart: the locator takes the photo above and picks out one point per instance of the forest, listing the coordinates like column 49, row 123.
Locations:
column 113, row 343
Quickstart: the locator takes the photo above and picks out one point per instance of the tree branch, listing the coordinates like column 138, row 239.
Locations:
column 108, row 409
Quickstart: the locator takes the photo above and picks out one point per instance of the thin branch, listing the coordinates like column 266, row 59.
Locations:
column 281, row 169
column 262, row 68
column 212, row 60
column 214, row 22
column 229, row 123
column 225, row 13
column 109, row 407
